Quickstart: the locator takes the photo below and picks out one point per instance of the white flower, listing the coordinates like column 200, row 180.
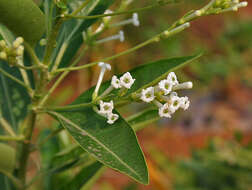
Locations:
column 112, row 118
column 164, row 111
column 115, row 82
column 184, row 85
column 165, row 86
column 147, row 95
column 174, row 103
column 172, row 78
column 126, row 80
column 106, row 107
column 135, row 19
column 185, row 103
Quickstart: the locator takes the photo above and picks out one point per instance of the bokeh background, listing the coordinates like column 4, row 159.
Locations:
column 209, row 146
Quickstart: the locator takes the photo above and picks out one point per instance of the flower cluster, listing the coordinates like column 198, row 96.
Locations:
column 164, row 96
column 124, row 82
column 14, row 53
column 229, row 5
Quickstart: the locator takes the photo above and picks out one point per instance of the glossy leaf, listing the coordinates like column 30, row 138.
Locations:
column 150, row 74
column 114, row 145
column 24, row 18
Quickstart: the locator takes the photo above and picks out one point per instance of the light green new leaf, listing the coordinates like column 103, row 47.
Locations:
column 24, row 18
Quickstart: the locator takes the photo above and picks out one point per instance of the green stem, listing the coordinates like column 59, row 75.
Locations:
column 58, row 81
column 16, row 80
column 113, row 14
column 33, row 55
column 25, row 149
column 51, row 43
column 7, row 126
column 84, row 4
column 11, row 138
column 14, row 180
column 108, row 58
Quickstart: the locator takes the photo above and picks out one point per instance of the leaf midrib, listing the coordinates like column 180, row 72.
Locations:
column 95, row 139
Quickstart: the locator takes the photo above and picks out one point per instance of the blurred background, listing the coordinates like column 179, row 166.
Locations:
column 209, row 146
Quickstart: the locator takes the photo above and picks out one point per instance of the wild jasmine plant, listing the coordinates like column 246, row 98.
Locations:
column 41, row 47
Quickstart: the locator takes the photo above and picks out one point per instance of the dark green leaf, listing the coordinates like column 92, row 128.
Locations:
column 141, row 119
column 14, row 98
column 114, row 145
column 150, row 74
column 85, row 178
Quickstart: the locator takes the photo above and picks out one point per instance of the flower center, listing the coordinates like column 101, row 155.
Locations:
column 175, row 103
column 167, row 85
column 106, row 107
column 126, row 80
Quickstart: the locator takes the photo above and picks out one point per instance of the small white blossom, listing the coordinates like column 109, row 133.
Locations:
column 135, row 19
column 172, row 78
column 174, row 103
column 106, row 107
column 112, row 118
column 115, row 82
column 185, row 103
column 147, row 95
column 165, row 86
column 164, row 111
column 126, row 80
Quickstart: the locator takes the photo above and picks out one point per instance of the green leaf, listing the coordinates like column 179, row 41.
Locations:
column 8, row 158
column 114, row 145
column 14, row 99
column 85, row 178
column 150, row 74
column 141, row 119
column 71, row 33
column 24, row 18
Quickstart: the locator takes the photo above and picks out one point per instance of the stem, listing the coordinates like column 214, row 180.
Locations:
column 16, row 80
column 51, row 43
column 25, row 149
column 11, row 138
column 109, row 58
column 7, row 126
column 113, row 14
column 58, row 81
column 84, row 4
column 14, row 180
column 32, row 55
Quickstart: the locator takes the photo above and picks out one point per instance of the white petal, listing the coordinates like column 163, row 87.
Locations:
column 106, row 107
column 126, row 80
column 112, row 118
column 164, row 111
column 165, row 86
column 172, row 78
column 115, row 82
column 147, row 95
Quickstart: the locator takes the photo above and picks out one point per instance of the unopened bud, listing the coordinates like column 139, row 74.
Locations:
column 3, row 55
